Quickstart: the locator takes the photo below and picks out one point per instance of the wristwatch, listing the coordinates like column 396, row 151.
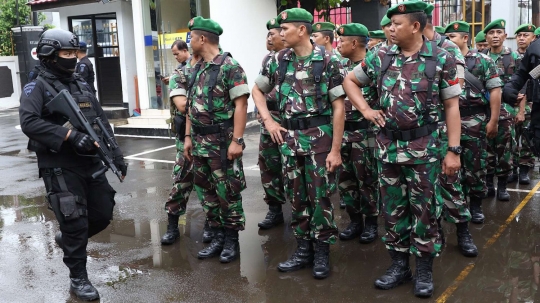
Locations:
column 456, row 149
column 240, row 140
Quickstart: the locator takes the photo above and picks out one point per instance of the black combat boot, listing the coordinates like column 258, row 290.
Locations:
column 342, row 204
column 273, row 218
column 398, row 273
column 465, row 241
column 477, row 217
column 58, row 240
column 231, row 247
column 172, row 231
column 80, row 285
column 423, row 284
column 524, row 175
column 215, row 247
column 354, row 229
column 440, row 230
column 490, row 186
column 502, row 193
column 302, row 257
column 513, row 176
column 208, row 233
column 321, row 264
column 370, row 230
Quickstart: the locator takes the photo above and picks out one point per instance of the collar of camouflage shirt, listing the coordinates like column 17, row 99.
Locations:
column 316, row 55
column 505, row 50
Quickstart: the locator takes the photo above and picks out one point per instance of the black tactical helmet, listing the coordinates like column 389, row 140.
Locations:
column 54, row 40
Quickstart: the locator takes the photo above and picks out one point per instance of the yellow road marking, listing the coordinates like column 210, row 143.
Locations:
column 465, row 272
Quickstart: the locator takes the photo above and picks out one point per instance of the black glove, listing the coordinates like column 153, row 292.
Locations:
column 119, row 161
column 82, row 143
column 510, row 95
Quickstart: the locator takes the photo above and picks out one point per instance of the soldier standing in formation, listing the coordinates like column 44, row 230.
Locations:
column 313, row 123
column 408, row 144
column 358, row 182
column 480, row 41
column 375, row 37
column 217, row 114
column 270, row 162
column 323, row 35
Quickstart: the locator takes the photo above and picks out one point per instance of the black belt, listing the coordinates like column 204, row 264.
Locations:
column 211, row 129
column 305, row 123
column 353, row 125
column 272, row 106
column 472, row 110
column 410, row 134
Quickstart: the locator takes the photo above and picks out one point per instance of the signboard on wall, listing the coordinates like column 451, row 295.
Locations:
column 166, row 40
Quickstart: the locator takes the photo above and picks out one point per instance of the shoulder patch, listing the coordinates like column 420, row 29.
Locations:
column 82, row 66
column 28, row 88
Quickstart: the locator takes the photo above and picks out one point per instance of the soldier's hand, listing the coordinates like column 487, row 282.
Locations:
column 520, row 117
column 234, row 151
column 492, row 128
column 510, row 95
column 375, row 116
column 451, row 164
column 333, row 161
column 82, row 143
column 275, row 130
column 188, row 146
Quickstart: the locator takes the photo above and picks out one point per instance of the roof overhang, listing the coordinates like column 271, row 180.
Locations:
column 39, row 5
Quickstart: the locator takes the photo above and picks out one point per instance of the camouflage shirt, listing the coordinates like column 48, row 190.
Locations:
column 507, row 111
column 231, row 84
column 450, row 47
column 486, row 71
column 270, row 98
column 403, row 98
column 297, row 97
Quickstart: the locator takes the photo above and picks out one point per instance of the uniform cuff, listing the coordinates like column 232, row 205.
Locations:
column 361, row 75
column 450, row 92
column 263, row 83
column 178, row 92
column 336, row 92
column 239, row 91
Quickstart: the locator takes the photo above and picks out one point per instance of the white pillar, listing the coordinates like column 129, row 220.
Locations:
column 509, row 11
column 140, row 12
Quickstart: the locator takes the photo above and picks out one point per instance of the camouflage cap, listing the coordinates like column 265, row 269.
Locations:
column 537, row 31
column 323, row 26
column 496, row 24
column 429, row 9
column 457, row 27
column 272, row 23
column 407, row 7
column 385, row 21
column 295, row 15
column 207, row 25
column 378, row 34
column 480, row 37
column 439, row 29
column 525, row 28
column 353, row 29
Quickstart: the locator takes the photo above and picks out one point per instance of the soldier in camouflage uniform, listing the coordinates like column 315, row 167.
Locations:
column 500, row 148
column 376, row 37
column 269, row 155
column 475, row 126
column 216, row 121
column 358, row 182
column 323, row 35
column 480, row 41
column 523, row 156
column 408, row 143
column 307, row 81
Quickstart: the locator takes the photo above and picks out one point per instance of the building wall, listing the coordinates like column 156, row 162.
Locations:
column 244, row 32
column 509, row 11
column 125, row 38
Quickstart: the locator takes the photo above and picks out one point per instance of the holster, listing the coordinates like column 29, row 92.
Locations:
column 180, row 126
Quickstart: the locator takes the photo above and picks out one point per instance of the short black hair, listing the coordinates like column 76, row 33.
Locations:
column 429, row 19
column 419, row 17
column 329, row 34
column 362, row 40
column 180, row 45
column 211, row 37
column 309, row 26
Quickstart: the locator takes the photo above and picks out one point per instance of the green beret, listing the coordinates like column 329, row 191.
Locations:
column 457, row 27
column 378, row 34
column 385, row 21
column 497, row 24
column 429, row 10
column 537, row 31
column 295, row 15
column 525, row 28
column 480, row 37
column 323, row 26
column 407, row 7
column 272, row 23
column 207, row 25
column 353, row 29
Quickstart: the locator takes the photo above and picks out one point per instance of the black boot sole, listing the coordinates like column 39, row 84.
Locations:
column 405, row 279
column 367, row 241
column 84, row 298
column 208, row 256
column 524, row 182
column 347, row 238
column 169, row 242
column 469, row 254
column 478, row 221
column 224, row 260
column 274, row 224
column 503, row 199
column 321, row 276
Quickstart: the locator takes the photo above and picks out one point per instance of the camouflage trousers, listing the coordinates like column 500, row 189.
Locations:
column 411, row 204
column 182, row 183
column 220, row 191
column 523, row 154
column 358, row 182
column 309, row 186
column 271, row 171
column 500, row 149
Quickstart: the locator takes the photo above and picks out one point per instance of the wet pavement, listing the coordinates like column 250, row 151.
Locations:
column 127, row 263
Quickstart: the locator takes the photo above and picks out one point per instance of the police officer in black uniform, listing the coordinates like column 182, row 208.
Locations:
column 84, row 67
column 83, row 205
